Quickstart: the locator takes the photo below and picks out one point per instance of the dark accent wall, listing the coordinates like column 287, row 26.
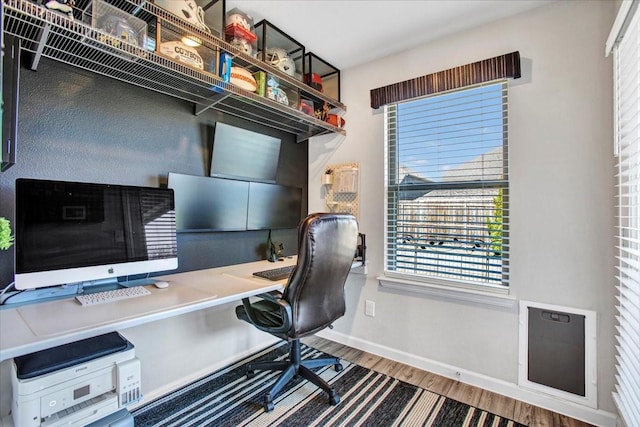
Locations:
column 79, row 126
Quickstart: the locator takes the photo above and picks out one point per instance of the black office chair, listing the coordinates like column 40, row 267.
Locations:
column 312, row 300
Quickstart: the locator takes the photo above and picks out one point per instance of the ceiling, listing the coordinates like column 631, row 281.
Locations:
column 352, row 32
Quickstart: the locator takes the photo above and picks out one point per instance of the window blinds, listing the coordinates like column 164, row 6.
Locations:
column 447, row 186
column 627, row 123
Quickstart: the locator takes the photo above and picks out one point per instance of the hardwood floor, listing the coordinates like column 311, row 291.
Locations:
column 521, row 412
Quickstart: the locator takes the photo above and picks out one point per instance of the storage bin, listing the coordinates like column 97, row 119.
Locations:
column 322, row 76
column 214, row 16
column 187, row 49
column 117, row 25
column 282, row 92
column 280, row 50
column 239, row 31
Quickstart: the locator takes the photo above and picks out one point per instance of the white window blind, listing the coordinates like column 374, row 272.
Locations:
column 627, row 122
column 159, row 227
column 447, row 186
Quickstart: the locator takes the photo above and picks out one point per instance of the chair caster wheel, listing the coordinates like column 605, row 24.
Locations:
column 268, row 404
column 338, row 367
column 250, row 374
column 334, row 399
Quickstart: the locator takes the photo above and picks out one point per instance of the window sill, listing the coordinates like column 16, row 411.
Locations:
column 495, row 298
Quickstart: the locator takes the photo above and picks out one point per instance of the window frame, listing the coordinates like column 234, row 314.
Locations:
column 457, row 288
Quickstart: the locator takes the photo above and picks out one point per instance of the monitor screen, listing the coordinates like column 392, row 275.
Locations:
column 209, row 204
column 71, row 232
column 273, row 206
column 243, row 154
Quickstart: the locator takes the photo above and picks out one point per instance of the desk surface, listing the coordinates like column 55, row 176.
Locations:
column 35, row 327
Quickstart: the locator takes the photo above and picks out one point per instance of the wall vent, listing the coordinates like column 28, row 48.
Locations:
column 558, row 352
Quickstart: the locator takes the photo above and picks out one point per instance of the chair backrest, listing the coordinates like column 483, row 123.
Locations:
column 326, row 247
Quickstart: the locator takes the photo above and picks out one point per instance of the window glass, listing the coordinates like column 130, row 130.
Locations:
column 447, row 186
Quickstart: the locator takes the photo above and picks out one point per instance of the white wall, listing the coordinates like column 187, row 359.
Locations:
column 562, row 191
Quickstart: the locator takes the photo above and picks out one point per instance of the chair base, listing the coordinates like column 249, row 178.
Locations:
column 292, row 368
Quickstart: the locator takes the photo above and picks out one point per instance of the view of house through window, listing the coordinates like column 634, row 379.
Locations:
column 447, row 186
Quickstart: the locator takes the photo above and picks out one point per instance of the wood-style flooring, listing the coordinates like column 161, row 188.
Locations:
column 516, row 410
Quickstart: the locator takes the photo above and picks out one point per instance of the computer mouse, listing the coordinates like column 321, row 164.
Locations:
column 161, row 284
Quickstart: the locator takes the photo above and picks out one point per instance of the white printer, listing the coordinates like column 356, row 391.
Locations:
column 76, row 384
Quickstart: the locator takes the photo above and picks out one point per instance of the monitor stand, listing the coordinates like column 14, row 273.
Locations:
column 38, row 294
column 56, row 292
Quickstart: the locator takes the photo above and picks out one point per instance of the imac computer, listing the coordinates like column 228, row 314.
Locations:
column 70, row 233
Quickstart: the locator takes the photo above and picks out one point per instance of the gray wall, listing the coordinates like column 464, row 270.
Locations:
column 77, row 126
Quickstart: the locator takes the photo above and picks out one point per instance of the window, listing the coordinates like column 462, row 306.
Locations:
column 624, row 41
column 447, row 187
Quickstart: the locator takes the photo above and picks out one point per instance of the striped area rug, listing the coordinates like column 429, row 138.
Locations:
column 368, row 398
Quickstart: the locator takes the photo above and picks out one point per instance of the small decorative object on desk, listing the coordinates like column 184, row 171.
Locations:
column 6, row 238
column 274, row 253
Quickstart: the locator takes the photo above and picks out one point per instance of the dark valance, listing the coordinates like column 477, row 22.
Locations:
column 504, row 66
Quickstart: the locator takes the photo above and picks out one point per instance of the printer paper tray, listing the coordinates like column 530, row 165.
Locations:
column 85, row 412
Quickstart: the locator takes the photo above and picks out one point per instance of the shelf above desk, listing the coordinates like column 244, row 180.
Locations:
column 46, row 33
column 35, row 327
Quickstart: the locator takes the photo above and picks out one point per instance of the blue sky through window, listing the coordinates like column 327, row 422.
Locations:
column 448, row 132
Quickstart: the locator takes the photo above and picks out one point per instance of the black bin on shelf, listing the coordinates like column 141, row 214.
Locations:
column 280, row 50
column 322, row 76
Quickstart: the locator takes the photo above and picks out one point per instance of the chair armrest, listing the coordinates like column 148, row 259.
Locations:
column 273, row 296
column 285, row 312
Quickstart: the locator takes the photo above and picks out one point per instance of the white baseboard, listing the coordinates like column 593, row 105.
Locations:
column 553, row 403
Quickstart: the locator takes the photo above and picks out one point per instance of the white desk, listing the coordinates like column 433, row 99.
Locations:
column 39, row 326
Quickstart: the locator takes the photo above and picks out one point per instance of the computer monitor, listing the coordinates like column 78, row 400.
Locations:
column 73, row 232
column 273, row 206
column 209, row 204
column 239, row 153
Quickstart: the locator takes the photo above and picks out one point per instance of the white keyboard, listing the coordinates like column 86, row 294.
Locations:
column 114, row 295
